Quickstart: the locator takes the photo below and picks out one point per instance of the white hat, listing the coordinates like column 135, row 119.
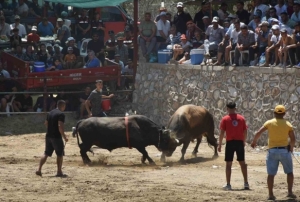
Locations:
column 34, row 28
column 179, row 4
column 275, row 27
column 71, row 39
column 274, row 20
column 215, row 19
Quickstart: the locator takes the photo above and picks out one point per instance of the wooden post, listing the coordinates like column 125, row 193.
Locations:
column 135, row 37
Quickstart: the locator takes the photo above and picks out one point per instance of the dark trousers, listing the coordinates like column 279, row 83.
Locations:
column 292, row 52
column 257, row 50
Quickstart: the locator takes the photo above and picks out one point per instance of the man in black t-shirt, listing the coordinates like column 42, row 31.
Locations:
column 181, row 18
column 55, row 132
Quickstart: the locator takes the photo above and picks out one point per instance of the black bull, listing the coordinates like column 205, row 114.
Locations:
column 190, row 122
column 110, row 133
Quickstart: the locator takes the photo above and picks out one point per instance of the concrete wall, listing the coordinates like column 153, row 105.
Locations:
column 161, row 89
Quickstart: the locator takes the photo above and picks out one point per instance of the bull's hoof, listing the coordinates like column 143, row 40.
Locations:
column 152, row 163
column 143, row 160
column 194, row 154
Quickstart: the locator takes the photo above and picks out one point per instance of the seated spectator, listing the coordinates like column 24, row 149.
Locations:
column 118, row 61
column 260, row 45
column 83, row 97
column 22, row 9
column 122, row 50
column 35, row 9
column 232, row 19
column 57, row 65
column 45, row 28
column 57, row 55
column 296, row 49
column 273, row 14
column 147, row 30
column 39, row 105
column 246, row 38
column 7, row 99
column 93, row 61
column 174, row 38
column 296, row 15
column 20, row 27
column 221, row 49
column 50, row 49
column 286, row 42
column 181, row 51
column 163, row 30
column 23, row 103
column 256, row 20
column 205, row 23
column 19, row 52
column 215, row 34
column 4, row 27
column 285, row 20
column 63, row 32
column 110, row 45
column 43, row 55
column 196, row 40
column 191, row 29
column 273, row 46
column 97, row 45
column 71, row 43
column 29, row 55
column 33, row 38
column 15, row 39
column 69, row 59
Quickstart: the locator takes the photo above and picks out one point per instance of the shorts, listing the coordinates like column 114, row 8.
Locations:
column 236, row 146
column 54, row 144
column 274, row 156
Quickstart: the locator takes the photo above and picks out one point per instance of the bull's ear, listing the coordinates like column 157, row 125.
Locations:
column 163, row 127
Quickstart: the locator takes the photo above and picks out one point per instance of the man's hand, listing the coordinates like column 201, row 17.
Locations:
column 65, row 138
column 111, row 95
column 219, row 148
column 253, row 144
column 221, row 44
column 254, row 46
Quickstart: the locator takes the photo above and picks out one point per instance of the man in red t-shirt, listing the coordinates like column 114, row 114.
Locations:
column 33, row 38
column 234, row 125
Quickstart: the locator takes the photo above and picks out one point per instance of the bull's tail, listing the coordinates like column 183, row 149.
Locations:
column 75, row 132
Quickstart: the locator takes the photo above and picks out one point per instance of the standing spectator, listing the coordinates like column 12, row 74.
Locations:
column 163, row 30
column 64, row 16
column 147, row 34
column 281, row 145
column 63, row 32
column 119, row 62
column 245, row 39
column 234, row 125
column 55, row 132
column 22, row 30
column 181, row 18
column 82, row 99
column 169, row 17
column 296, row 15
column 204, row 12
column 290, row 7
column 95, row 99
column 110, row 45
column 15, row 39
column 222, row 11
column 97, row 45
column 280, row 7
column 242, row 14
column 35, row 9
column 128, row 70
column 45, row 28
column 83, row 26
column 71, row 43
column 273, row 46
column 161, row 9
column 286, row 21
column 122, row 50
column 259, row 6
column 33, row 38
column 93, row 61
column 215, row 34
column 98, row 27
column 286, row 42
column 23, row 103
column 23, row 9
column 59, row 8
column 4, row 27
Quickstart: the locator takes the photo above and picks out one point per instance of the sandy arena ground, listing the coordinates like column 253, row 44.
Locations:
column 120, row 176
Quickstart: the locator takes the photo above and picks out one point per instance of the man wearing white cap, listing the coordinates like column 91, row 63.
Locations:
column 181, row 18
column 71, row 43
column 215, row 34
column 275, row 38
column 163, row 29
column 63, row 32
column 33, row 38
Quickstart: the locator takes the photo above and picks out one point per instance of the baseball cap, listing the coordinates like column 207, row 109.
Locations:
column 215, row 19
column 17, row 17
column 279, row 109
column 99, row 81
column 71, row 39
column 179, row 4
column 162, row 13
column 59, row 20
column 205, row 17
column 283, row 30
column 70, row 48
column 275, row 27
column 34, row 28
column 231, row 105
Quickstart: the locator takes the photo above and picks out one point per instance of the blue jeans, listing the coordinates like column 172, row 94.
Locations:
column 275, row 156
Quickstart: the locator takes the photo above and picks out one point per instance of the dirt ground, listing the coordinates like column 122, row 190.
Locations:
column 120, row 176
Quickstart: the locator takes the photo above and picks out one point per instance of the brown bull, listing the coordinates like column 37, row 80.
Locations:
column 190, row 122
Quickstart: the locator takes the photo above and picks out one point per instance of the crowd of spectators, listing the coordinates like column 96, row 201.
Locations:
column 266, row 32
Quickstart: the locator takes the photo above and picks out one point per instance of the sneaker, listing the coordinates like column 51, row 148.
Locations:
column 279, row 65
column 227, row 187
column 246, row 186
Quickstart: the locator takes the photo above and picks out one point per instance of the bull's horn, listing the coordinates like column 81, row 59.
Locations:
column 177, row 141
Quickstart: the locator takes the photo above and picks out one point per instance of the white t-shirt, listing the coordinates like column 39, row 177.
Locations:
column 22, row 9
column 165, row 27
column 22, row 30
column 5, row 73
column 275, row 38
column 281, row 9
column 234, row 35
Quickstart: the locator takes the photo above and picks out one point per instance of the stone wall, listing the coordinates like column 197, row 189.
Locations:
column 160, row 89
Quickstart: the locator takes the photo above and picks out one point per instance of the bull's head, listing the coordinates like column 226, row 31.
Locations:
column 167, row 144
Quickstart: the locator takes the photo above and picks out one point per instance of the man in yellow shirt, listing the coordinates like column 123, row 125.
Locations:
column 279, row 131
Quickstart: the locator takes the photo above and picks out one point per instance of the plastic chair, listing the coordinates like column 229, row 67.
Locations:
column 241, row 57
column 9, row 106
column 83, row 47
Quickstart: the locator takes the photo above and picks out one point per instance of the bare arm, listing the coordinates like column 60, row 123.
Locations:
column 61, row 128
column 292, row 140
column 245, row 136
column 257, row 135
column 107, row 97
column 220, row 140
column 87, row 107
